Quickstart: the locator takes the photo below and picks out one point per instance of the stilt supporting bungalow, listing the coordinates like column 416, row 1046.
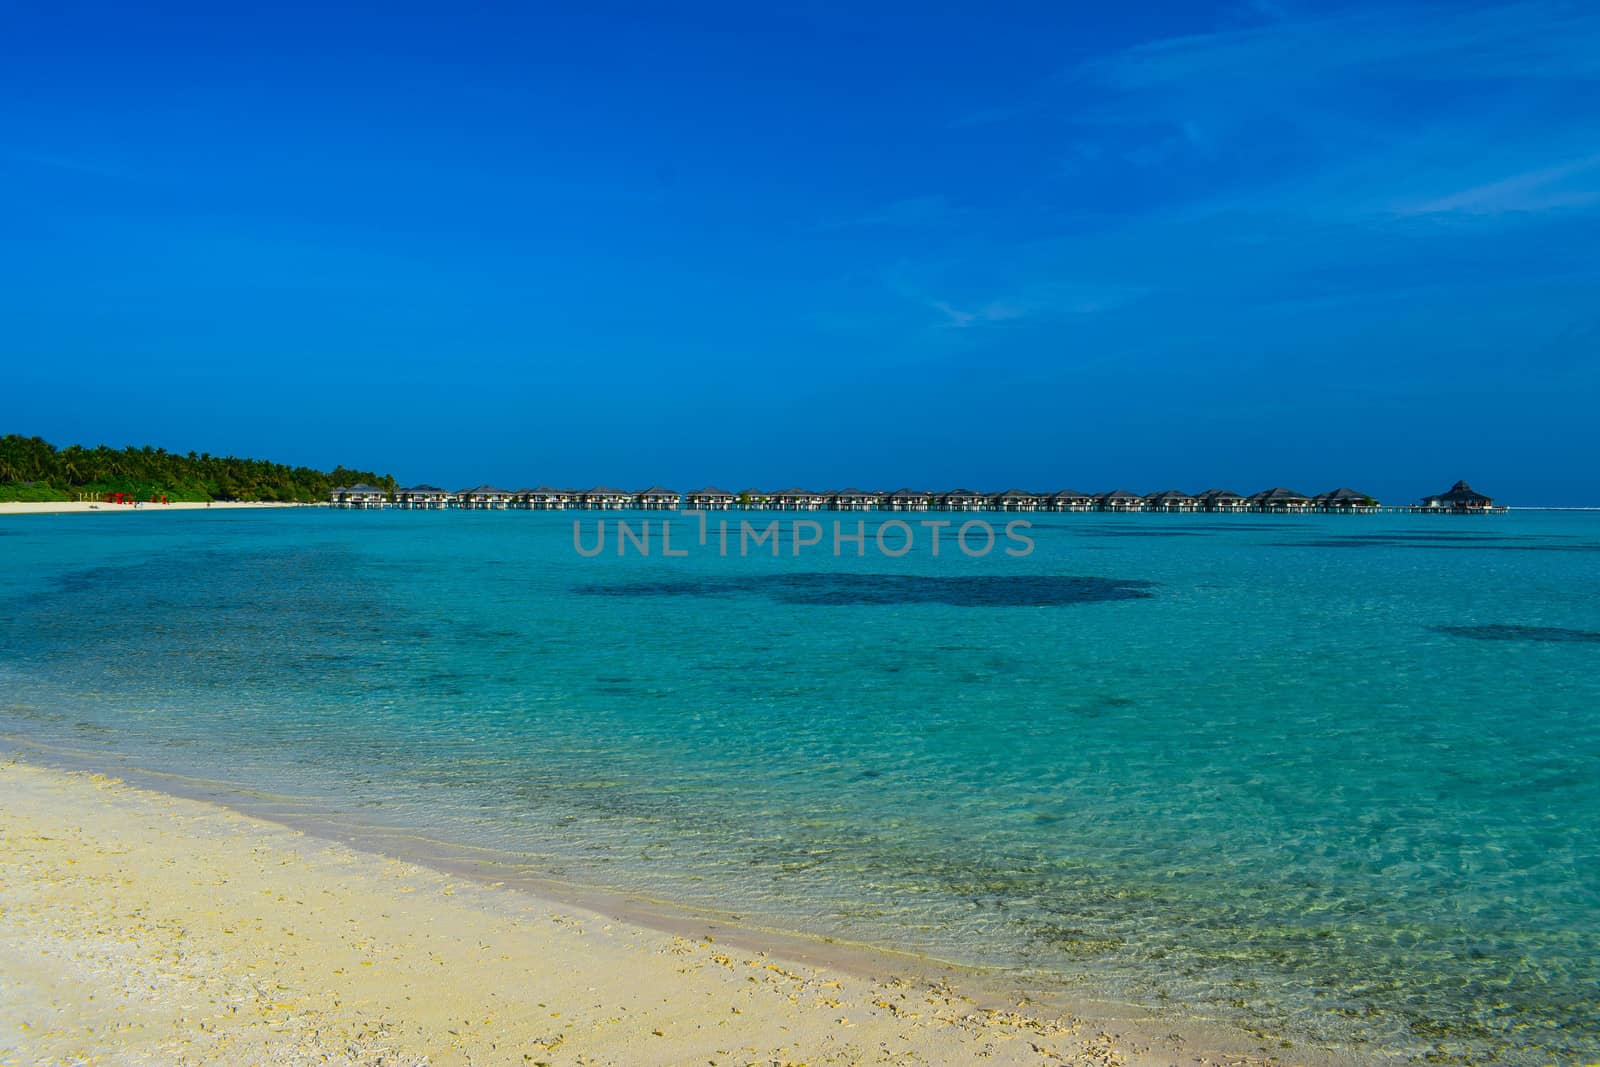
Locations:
column 1222, row 501
column 1120, row 500
column 908, row 500
column 1345, row 502
column 362, row 497
column 855, row 500
column 1071, row 500
column 423, row 498
column 963, row 500
column 484, row 498
column 544, row 498
column 1280, row 501
column 1171, row 500
column 658, row 499
column 798, row 500
column 709, row 499
column 603, row 498
column 1016, row 500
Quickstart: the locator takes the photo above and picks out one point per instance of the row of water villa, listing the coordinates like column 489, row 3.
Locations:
column 1460, row 498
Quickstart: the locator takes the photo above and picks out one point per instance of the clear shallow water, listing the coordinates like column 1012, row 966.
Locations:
column 1333, row 777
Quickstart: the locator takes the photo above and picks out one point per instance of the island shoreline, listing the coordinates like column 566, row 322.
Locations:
column 96, row 507
column 1079, row 1030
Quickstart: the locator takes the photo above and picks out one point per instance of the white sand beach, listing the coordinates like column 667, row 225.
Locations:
column 52, row 507
column 138, row 927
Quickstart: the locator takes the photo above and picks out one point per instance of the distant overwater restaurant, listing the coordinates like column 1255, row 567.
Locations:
column 1459, row 499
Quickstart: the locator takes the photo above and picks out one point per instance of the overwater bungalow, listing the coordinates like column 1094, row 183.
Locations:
column 797, row 500
column 908, row 500
column 963, row 500
column 855, row 500
column 1119, row 500
column 1071, row 501
column 1280, row 501
column 358, row 496
column 709, row 499
column 604, row 498
column 1222, row 500
column 424, row 498
column 1016, row 500
column 484, row 497
column 1345, row 502
column 1459, row 497
column 1171, row 500
column 544, row 498
column 658, row 499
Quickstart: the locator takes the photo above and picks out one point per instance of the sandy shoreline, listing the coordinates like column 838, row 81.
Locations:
column 59, row 507
column 141, row 927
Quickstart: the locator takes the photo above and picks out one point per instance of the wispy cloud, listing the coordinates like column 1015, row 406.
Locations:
column 1285, row 161
column 954, row 316
column 1405, row 101
column 1567, row 185
column 1033, row 302
column 1548, row 41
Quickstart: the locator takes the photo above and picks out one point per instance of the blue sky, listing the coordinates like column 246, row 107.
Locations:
column 1041, row 245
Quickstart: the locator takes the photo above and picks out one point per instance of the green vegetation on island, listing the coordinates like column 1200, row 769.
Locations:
column 31, row 469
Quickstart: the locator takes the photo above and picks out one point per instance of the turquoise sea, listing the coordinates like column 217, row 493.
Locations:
column 1336, row 779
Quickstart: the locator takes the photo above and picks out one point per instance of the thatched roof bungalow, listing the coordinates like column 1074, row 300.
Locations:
column 604, row 498
column 1279, row 500
column 1222, row 500
column 1345, row 502
column 658, row 499
column 855, row 500
column 709, row 499
column 798, row 500
column 358, row 496
column 1459, row 497
column 1069, row 501
column 424, row 497
column 484, row 497
column 962, row 500
column 1017, row 500
column 908, row 500
column 1171, row 500
column 544, row 498
column 1120, row 500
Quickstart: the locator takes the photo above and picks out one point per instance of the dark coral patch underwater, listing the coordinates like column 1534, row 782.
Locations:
column 1546, row 634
